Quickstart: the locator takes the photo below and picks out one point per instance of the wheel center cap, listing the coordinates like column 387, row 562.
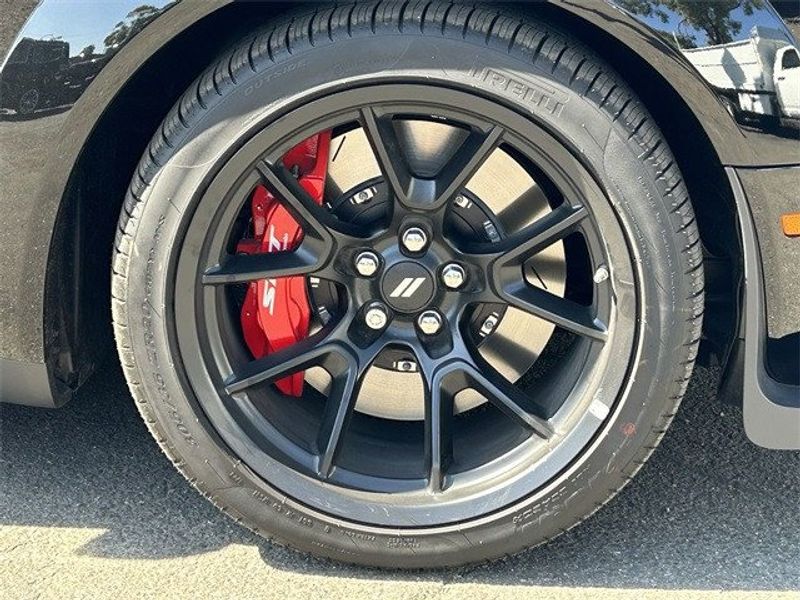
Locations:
column 407, row 286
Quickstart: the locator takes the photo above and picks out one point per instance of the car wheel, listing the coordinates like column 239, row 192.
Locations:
column 408, row 284
column 28, row 102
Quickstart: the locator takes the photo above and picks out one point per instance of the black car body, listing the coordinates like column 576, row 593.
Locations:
column 68, row 157
column 52, row 330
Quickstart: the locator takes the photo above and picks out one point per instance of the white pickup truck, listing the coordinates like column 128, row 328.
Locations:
column 761, row 72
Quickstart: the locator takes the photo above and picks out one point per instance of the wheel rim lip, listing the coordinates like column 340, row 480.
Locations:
column 269, row 465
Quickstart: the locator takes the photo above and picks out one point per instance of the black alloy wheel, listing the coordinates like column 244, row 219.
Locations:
column 511, row 342
column 440, row 467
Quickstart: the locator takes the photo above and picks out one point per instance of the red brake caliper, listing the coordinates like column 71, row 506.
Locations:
column 276, row 312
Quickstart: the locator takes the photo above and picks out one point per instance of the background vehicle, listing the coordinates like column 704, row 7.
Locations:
column 787, row 80
column 403, row 283
column 34, row 75
column 757, row 72
column 41, row 74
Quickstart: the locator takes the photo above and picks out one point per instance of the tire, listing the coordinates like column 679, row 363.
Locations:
column 28, row 102
column 514, row 62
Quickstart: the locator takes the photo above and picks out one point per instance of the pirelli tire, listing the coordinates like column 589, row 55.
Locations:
column 539, row 74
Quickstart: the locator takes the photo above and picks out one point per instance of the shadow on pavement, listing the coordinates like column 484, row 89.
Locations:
column 708, row 511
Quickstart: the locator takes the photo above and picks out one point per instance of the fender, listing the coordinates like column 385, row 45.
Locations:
column 61, row 132
column 651, row 29
column 54, row 138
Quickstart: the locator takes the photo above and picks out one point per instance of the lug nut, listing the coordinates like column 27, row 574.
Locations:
column 415, row 239
column 405, row 366
column 367, row 263
column 462, row 201
column 489, row 324
column 430, row 322
column 376, row 317
column 453, row 276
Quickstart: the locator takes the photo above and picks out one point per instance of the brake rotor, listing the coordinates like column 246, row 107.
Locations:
column 500, row 199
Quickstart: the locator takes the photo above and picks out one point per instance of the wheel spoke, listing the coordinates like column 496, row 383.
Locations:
column 336, row 416
column 439, row 403
column 240, row 268
column 470, row 156
column 313, row 219
column 390, row 155
column 505, row 396
column 545, row 232
column 388, row 152
column 504, row 262
column 542, row 233
column 305, row 353
column 560, row 311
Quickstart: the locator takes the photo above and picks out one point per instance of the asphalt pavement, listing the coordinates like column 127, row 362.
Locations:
column 89, row 507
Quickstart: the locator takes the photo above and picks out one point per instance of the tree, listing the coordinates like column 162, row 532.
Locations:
column 713, row 17
column 134, row 22
column 88, row 51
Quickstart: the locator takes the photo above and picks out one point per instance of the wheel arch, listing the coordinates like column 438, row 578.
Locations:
column 110, row 126
column 703, row 137
column 108, row 145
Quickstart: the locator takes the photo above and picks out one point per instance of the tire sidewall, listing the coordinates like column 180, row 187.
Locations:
column 232, row 118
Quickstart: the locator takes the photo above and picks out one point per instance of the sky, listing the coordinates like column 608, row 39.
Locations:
column 91, row 20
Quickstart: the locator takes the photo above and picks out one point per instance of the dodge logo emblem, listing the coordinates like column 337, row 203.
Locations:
column 407, row 286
